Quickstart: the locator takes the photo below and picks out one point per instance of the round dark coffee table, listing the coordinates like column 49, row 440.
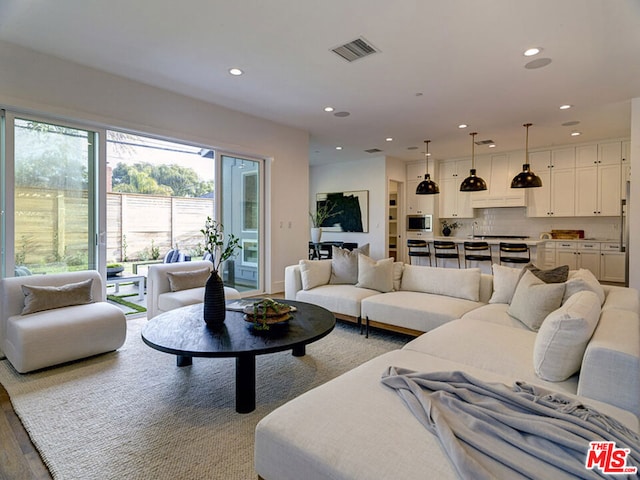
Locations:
column 182, row 332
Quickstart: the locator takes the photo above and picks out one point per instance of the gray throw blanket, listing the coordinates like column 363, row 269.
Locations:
column 490, row 431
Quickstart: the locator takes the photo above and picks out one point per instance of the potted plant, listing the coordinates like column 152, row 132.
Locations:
column 448, row 227
column 323, row 212
column 221, row 249
column 114, row 269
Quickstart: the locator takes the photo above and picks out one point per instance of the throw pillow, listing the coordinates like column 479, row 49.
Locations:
column 581, row 280
column 553, row 275
column 505, row 280
column 451, row 282
column 398, row 268
column 186, row 280
column 375, row 275
column 344, row 264
column 37, row 298
column 314, row 273
column 564, row 335
column 533, row 300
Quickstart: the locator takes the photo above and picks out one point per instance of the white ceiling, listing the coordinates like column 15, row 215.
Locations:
column 463, row 56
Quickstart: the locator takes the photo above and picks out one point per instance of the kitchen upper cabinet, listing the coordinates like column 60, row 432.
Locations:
column 453, row 202
column 556, row 197
column 501, row 170
column 598, row 186
column 419, row 204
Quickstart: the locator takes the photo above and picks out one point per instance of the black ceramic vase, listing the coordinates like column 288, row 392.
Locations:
column 214, row 305
column 446, row 231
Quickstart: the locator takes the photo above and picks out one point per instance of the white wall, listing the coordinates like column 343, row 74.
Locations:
column 369, row 174
column 51, row 86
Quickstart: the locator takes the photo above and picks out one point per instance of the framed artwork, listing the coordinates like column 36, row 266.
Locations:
column 351, row 211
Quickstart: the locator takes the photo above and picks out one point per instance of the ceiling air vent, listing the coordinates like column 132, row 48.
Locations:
column 358, row 48
column 373, row 150
column 484, row 142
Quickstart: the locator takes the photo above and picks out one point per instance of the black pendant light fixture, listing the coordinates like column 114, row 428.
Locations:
column 526, row 178
column 427, row 186
column 473, row 183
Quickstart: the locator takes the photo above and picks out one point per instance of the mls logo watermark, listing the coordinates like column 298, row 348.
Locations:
column 609, row 459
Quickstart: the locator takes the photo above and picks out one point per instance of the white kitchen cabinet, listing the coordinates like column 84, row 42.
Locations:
column 498, row 171
column 612, row 263
column 626, row 167
column 419, row 204
column 598, row 186
column 453, row 202
column 579, row 255
column 556, row 197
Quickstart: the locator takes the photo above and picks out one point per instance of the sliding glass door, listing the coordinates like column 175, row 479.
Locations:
column 242, row 214
column 51, row 225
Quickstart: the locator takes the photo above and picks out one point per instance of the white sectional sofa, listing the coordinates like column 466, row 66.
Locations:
column 178, row 284
column 354, row 427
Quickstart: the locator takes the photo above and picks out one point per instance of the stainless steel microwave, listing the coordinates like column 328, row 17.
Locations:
column 419, row 223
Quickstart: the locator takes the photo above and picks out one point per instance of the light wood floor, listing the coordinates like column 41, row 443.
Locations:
column 19, row 459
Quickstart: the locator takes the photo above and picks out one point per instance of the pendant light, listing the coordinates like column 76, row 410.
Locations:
column 526, row 178
column 427, row 186
column 473, row 183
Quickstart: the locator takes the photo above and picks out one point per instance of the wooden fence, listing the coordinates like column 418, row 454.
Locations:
column 52, row 225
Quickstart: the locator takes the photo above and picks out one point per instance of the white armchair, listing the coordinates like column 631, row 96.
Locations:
column 160, row 297
column 50, row 336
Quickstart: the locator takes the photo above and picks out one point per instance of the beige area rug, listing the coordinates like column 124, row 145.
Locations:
column 134, row 414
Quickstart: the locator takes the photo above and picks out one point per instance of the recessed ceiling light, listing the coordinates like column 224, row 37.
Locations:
column 565, row 107
column 463, row 125
column 576, row 134
column 493, row 145
column 389, row 139
column 328, row 109
column 532, row 51
column 338, row 148
column 235, row 71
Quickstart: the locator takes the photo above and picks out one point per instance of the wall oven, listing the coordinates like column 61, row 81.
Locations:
column 419, row 223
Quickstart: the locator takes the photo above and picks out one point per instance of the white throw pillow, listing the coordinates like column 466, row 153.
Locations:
column 442, row 281
column 375, row 275
column 398, row 268
column 533, row 300
column 564, row 335
column 314, row 273
column 581, row 280
column 344, row 264
column 505, row 280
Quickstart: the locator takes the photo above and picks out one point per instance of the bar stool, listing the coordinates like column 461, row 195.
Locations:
column 475, row 255
column 441, row 245
column 510, row 248
column 421, row 253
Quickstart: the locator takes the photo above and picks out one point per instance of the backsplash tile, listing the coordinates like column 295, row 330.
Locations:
column 514, row 221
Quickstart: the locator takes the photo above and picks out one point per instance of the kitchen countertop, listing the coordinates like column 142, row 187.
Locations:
column 493, row 240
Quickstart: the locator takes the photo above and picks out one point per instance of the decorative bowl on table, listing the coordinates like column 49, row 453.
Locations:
column 266, row 312
column 114, row 270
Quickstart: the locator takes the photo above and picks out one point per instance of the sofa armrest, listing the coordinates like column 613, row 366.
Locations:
column 292, row 282
column 158, row 280
column 611, row 361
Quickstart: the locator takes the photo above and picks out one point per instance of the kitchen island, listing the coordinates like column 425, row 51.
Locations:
column 536, row 247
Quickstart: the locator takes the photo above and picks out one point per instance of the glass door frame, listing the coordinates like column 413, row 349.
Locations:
column 219, row 205
column 96, row 191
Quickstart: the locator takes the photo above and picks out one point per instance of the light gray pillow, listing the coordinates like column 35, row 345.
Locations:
column 344, row 264
column 375, row 275
column 314, row 273
column 564, row 335
column 187, row 280
column 533, row 300
column 38, row 298
column 505, row 281
column 583, row 279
